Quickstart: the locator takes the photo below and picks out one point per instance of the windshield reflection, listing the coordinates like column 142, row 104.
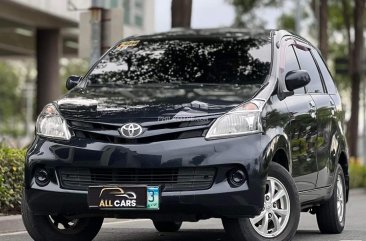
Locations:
column 241, row 61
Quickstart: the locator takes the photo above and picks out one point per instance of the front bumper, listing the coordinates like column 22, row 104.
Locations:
column 220, row 200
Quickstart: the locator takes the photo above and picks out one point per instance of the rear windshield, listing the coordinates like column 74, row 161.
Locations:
column 244, row 61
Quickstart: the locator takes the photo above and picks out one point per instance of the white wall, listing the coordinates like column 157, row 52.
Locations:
column 61, row 8
column 54, row 7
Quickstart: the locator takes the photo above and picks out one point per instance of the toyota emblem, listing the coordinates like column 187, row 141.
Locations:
column 131, row 130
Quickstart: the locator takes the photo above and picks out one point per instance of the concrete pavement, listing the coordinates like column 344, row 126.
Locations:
column 11, row 228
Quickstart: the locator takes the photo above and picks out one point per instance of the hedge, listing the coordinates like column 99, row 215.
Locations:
column 357, row 174
column 11, row 179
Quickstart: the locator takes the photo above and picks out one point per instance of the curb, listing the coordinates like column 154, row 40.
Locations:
column 4, row 217
column 357, row 191
column 12, row 223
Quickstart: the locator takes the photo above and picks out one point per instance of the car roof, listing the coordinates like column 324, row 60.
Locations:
column 181, row 33
column 220, row 33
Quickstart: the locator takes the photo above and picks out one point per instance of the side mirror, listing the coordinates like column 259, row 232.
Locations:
column 297, row 79
column 72, row 81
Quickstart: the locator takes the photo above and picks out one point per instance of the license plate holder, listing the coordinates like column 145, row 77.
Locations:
column 124, row 197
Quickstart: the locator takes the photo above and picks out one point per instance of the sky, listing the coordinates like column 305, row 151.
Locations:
column 207, row 14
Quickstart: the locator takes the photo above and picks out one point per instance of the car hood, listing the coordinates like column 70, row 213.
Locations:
column 116, row 104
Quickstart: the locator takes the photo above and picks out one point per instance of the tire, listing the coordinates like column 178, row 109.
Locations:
column 329, row 220
column 42, row 227
column 248, row 229
column 167, row 226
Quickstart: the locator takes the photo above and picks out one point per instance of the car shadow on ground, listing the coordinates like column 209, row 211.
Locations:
column 195, row 235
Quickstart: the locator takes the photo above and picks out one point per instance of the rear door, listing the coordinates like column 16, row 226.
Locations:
column 302, row 130
column 327, row 156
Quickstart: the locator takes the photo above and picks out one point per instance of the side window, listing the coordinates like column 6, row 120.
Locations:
column 328, row 80
column 306, row 62
column 292, row 64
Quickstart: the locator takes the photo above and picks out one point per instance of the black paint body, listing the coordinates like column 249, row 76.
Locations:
column 303, row 132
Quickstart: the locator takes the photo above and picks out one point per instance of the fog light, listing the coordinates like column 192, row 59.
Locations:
column 41, row 177
column 237, row 177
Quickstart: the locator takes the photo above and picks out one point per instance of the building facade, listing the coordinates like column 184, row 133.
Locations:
column 49, row 29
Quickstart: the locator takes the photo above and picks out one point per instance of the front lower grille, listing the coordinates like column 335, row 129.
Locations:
column 172, row 179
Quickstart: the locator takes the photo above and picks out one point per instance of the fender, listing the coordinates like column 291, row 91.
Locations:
column 277, row 143
column 334, row 184
column 337, row 149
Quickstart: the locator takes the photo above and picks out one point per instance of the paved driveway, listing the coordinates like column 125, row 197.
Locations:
column 209, row 230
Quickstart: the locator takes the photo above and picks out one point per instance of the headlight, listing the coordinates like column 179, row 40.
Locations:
column 51, row 124
column 242, row 120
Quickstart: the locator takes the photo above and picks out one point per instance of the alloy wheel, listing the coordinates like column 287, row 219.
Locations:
column 276, row 210
column 65, row 225
column 340, row 199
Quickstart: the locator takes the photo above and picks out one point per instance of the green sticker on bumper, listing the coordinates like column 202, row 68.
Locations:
column 152, row 198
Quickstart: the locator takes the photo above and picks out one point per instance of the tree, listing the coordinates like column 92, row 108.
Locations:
column 346, row 17
column 10, row 104
column 323, row 28
column 320, row 13
column 286, row 21
column 355, row 55
column 245, row 16
column 181, row 13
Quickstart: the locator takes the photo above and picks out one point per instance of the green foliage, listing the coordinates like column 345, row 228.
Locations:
column 339, row 13
column 245, row 6
column 10, row 98
column 286, row 21
column 70, row 67
column 335, row 16
column 357, row 173
column 245, row 16
column 11, row 179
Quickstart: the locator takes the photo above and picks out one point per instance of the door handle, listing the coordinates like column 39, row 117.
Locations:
column 312, row 105
column 312, row 110
column 333, row 107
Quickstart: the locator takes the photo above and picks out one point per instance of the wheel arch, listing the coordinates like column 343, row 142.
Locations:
column 281, row 158
column 343, row 162
column 278, row 150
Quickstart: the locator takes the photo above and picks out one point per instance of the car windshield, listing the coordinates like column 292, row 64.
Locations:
column 241, row 61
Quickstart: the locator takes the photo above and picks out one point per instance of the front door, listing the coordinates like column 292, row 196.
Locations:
column 302, row 130
column 303, row 140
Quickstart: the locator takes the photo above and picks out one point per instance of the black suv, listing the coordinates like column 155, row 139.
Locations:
column 189, row 125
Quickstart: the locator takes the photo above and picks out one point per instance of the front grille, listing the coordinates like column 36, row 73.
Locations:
column 153, row 131
column 173, row 179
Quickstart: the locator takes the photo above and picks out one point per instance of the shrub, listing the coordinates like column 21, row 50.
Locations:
column 11, row 179
column 357, row 173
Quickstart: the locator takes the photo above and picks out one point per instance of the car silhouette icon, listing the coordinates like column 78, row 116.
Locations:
column 117, row 192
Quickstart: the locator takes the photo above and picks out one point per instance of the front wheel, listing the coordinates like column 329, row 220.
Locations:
column 59, row 228
column 280, row 216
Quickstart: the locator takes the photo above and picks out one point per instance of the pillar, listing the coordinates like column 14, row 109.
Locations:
column 48, row 51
